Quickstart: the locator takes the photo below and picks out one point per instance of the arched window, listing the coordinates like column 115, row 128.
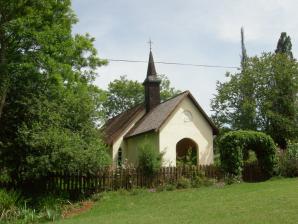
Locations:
column 120, row 155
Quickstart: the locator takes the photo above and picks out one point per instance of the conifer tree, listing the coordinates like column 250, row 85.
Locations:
column 284, row 45
column 243, row 49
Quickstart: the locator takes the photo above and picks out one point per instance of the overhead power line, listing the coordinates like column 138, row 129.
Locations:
column 176, row 63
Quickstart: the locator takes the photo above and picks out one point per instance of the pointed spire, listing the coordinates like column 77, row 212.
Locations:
column 151, row 67
column 152, row 86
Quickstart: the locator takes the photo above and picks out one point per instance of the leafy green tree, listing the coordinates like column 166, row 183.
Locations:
column 242, row 100
column 284, row 45
column 272, row 79
column 282, row 90
column 123, row 94
column 49, row 107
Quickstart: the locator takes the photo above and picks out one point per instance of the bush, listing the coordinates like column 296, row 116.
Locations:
column 200, row 180
column 169, row 187
column 9, row 210
column 190, row 158
column 234, row 146
column 231, row 179
column 14, row 208
column 150, row 159
column 288, row 161
column 50, row 207
column 8, row 199
column 166, row 187
column 183, row 183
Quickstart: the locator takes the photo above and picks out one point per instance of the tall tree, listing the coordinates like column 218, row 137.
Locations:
column 48, row 104
column 284, row 45
column 275, row 81
column 123, row 94
column 246, row 110
column 243, row 49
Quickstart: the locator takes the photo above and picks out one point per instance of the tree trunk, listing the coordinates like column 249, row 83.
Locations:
column 3, row 72
column 2, row 102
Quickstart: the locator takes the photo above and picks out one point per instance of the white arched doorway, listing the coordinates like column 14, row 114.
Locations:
column 186, row 152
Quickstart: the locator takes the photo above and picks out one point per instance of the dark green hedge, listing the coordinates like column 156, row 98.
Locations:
column 235, row 144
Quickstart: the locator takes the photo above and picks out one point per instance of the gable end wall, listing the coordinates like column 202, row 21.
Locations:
column 175, row 129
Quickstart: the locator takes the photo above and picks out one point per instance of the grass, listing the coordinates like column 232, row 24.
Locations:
column 274, row 201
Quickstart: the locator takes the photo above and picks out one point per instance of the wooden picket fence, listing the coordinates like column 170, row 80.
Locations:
column 113, row 179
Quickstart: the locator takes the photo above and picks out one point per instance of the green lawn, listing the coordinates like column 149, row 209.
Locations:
column 274, row 201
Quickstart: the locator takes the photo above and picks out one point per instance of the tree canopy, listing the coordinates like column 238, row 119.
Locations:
column 261, row 97
column 284, row 45
column 123, row 94
column 48, row 104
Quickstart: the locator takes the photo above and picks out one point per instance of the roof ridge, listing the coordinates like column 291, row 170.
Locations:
column 118, row 115
column 184, row 92
column 112, row 118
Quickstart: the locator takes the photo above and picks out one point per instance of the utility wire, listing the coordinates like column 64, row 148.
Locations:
column 176, row 63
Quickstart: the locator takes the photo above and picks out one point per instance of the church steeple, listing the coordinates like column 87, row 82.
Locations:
column 152, row 86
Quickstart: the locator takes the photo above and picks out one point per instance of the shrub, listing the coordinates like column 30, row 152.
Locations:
column 166, row 187
column 13, row 208
column 138, row 191
column 9, row 210
column 231, row 179
column 150, row 159
column 50, row 207
column 234, row 146
column 169, row 187
column 189, row 159
column 200, row 180
column 8, row 199
column 183, row 183
column 288, row 161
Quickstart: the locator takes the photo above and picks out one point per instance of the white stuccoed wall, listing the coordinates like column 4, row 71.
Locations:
column 176, row 128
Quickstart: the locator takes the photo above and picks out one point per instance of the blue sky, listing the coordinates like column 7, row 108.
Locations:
column 189, row 31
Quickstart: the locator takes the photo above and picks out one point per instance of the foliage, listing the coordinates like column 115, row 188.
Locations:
column 183, row 183
column 11, row 208
column 200, row 180
column 14, row 209
column 262, row 97
column 288, row 161
column 190, row 158
column 150, row 159
column 123, row 94
column 234, row 145
column 169, row 187
column 231, row 179
column 49, row 107
column 284, row 45
column 243, row 49
column 8, row 199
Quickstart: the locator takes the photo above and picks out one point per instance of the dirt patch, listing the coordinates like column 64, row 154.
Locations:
column 77, row 209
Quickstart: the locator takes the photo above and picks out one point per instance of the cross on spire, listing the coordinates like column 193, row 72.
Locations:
column 150, row 44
